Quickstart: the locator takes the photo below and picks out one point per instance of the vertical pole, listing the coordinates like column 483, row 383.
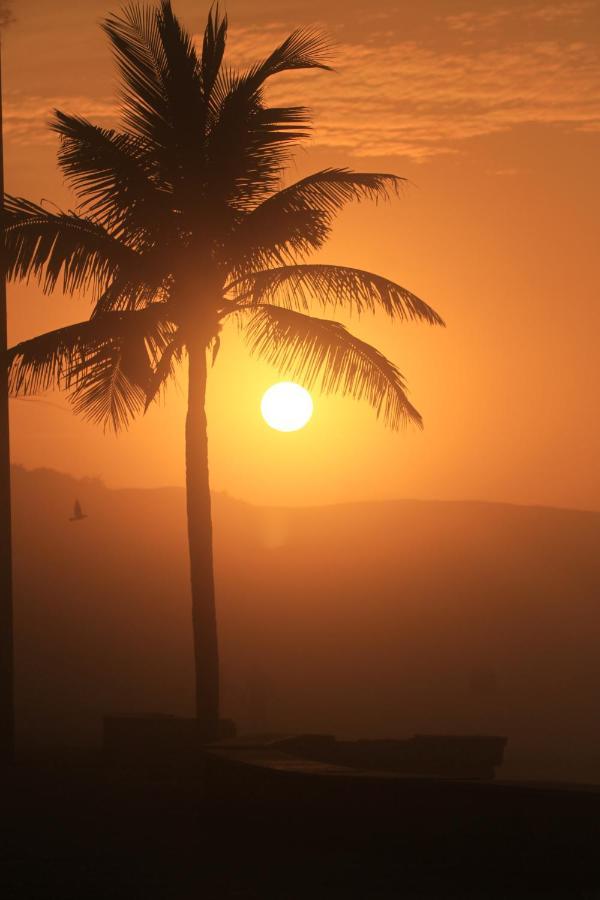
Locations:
column 7, row 710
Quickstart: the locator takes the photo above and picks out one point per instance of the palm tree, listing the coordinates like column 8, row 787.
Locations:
column 183, row 225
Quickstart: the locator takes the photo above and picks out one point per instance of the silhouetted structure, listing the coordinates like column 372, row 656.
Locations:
column 182, row 227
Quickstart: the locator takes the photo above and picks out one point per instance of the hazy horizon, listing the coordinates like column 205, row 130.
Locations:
column 357, row 501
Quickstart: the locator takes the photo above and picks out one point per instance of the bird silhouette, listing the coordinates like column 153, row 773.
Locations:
column 78, row 513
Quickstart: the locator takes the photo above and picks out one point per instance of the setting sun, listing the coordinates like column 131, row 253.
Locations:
column 286, row 406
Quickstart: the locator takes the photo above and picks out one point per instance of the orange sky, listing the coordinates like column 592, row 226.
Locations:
column 492, row 110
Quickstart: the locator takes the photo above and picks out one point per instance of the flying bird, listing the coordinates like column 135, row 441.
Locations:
column 78, row 513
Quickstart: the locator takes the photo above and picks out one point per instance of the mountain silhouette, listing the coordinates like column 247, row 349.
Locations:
column 366, row 619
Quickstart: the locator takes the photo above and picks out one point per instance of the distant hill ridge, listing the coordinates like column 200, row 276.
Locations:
column 95, row 484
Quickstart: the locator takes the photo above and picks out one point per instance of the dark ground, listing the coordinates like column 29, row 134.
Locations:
column 79, row 828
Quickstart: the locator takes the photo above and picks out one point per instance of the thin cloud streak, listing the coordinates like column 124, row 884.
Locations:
column 26, row 117
column 404, row 98
column 473, row 21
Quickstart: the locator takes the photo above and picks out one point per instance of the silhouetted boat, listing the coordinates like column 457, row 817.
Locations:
column 78, row 513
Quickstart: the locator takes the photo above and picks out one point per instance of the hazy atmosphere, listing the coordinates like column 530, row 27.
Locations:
column 480, row 618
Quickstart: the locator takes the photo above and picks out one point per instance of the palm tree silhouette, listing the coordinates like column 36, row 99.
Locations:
column 182, row 225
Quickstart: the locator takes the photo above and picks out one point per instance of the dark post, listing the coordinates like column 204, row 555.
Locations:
column 7, row 709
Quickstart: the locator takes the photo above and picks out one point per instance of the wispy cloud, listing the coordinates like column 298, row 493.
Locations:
column 553, row 12
column 477, row 20
column 472, row 20
column 26, row 116
column 406, row 98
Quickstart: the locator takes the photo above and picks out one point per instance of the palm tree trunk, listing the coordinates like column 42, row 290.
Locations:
column 7, row 712
column 200, row 544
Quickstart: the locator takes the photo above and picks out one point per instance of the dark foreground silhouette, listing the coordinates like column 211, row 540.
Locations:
column 80, row 827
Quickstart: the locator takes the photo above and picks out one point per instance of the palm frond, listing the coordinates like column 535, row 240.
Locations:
column 164, row 363
column 162, row 96
column 44, row 245
column 250, row 144
column 304, row 48
column 140, row 57
column 327, row 192
column 323, row 354
column 182, row 79
column 41, row 363
column 213, row 49
column 289, row 224
column 135, row 287
column 110, row 386
column 104, row 364
column 115, row 177
column 286, row 236
column 247, row 149
column 332, row 287
column 182, row 74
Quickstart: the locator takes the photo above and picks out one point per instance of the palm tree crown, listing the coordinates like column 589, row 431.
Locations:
column 182, row 223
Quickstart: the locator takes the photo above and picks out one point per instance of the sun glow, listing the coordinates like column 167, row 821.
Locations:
column 286, row 406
